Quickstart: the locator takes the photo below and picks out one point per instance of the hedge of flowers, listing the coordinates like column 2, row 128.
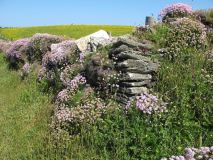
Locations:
column 175, row 11
column 202, row 153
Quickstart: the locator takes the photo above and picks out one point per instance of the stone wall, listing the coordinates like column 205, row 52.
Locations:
column 133, row 60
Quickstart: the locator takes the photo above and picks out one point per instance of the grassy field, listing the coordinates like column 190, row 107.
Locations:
column 73, row 31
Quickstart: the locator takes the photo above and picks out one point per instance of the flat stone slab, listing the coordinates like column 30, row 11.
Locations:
column 135, row 84
column 133, row 90
column 132, row 44
column 135, row 77
column 136, row 55
column 138, row 66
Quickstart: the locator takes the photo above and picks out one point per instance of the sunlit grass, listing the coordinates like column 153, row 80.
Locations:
column 25, row 115
column 72, row 31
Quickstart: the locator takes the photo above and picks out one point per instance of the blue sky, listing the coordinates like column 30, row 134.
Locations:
column 15, row 13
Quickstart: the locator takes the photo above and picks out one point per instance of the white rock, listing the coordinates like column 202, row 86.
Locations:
column 101, row 37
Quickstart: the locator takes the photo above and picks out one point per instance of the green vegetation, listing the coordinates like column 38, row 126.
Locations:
column 72, row 31
column 25, row 119
column 25, row 115
column 26, row 112
column 188, row 122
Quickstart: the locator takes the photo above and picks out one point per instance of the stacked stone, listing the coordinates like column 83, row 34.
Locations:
column 133, row 60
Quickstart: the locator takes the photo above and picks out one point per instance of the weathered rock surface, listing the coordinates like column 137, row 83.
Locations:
column 93, row 41
column 135, row 84
column 138, row 66
column 135, row 77
column 133, row 90
column 132, row 43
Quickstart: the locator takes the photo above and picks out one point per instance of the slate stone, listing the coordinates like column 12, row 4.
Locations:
column 132, row 44
column 119, row 49
column 131, row 55
column 133, row 90
column 137, row 66
column 135, row 77
column 135, row 84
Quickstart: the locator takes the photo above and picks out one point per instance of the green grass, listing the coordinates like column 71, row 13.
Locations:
column 25, row 115
column 73, row 31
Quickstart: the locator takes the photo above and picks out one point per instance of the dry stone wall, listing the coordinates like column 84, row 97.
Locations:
column 133, row 60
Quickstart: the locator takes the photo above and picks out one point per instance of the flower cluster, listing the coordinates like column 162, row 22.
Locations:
column 64, row 52
column 18, row 49
column 63, row 96
column 202, row 153
column 83, row 113
column 40, row 44
column 61, row 54
column 45, row 74
column 185, row 33
column 63, row 115
column 25, row 70
column 75, row 83
column 88, row 113
column 61, row 63
column 197, row 29
column 147, row 103
column 72, row 86
column 69, row 72
column 87, row 110
column 176, row 10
